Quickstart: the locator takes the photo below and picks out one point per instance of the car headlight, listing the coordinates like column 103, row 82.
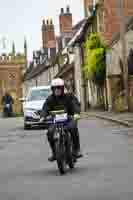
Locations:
column 31, row 113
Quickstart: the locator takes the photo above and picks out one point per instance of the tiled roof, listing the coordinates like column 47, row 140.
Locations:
column 64, row 70
column 78, row 33
column 34, row 71
column 78, row 25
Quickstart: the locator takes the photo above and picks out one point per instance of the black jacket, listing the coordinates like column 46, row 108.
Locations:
column 7, row 99
column 68, row 103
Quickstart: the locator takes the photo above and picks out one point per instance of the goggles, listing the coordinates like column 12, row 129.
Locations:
column 57, row 87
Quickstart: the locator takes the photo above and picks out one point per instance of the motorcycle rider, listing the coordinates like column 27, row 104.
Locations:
column 7, row 102
column 58, row 100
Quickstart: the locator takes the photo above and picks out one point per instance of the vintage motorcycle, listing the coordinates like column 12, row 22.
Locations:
column 63, row 141
column 7, row 110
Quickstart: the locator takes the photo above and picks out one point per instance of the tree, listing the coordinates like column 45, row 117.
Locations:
column 95, row 64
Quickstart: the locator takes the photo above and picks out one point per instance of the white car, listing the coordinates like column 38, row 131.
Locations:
column 33, row 104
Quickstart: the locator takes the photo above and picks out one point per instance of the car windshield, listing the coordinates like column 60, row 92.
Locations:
column 37, row 95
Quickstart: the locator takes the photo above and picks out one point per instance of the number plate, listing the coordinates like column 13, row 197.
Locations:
column 61, row 117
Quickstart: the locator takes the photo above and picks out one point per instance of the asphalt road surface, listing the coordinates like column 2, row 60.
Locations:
column 104, row 173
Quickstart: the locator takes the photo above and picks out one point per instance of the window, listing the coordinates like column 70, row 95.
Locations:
column 40, row 94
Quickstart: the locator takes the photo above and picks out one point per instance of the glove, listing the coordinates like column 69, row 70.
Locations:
column 76, row 116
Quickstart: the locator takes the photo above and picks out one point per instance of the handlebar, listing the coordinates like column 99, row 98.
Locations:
column 50, row 118
column 56, row 112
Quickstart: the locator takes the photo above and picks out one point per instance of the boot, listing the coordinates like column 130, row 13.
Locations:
column 53, row 156
column 77, row 152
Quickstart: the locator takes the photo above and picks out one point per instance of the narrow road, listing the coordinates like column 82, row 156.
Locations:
column 104, row 173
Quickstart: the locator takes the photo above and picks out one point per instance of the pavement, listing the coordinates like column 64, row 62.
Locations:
column 125, row 119
column 104, row 173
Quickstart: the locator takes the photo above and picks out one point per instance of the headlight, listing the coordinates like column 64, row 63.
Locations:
column 31, row 113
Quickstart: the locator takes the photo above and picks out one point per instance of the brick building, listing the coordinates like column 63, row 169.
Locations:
column 48, row 38
column 88, row 6
column 108, row 15
column 111, row 17
column 65, row 21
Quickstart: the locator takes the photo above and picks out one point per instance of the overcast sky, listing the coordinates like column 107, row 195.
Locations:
column 23, row 18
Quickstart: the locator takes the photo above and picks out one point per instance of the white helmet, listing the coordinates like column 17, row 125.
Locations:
column 57, row 82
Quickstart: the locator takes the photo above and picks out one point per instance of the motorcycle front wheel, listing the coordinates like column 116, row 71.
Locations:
column 60, row 157
column 69, row 148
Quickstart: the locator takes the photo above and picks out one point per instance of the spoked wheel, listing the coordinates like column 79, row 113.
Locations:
column 60, row 158
column 70, row 158
column 61, row 166
column 71, row 162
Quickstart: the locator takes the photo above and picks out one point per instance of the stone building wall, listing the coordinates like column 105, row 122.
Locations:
column 11, row 81
column 115, row 76
column 87, row 5
column 78, row 78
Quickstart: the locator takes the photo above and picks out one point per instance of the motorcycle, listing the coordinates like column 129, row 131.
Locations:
column 63, row 141
column 7, row 110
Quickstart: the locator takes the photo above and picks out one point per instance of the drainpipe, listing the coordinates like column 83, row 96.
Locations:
column 84, row 81
column 121, row 9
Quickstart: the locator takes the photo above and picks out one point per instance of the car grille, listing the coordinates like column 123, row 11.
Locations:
column 30, row 119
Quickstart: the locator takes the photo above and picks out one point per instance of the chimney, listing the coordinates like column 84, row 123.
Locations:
column 65, row 21
column 47, row 22
column 44, row 34
column 51, row 39
column 62, row 10
column 68, row 9
column 48, row 34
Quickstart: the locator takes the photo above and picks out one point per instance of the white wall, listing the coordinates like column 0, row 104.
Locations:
column 92, row 90
column 78, row 76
